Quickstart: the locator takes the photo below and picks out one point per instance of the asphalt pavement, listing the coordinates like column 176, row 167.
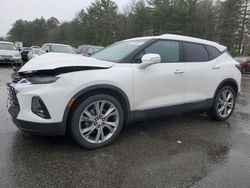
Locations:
column 188, row 150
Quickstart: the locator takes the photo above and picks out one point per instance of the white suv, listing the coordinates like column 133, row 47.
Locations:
column 92, row 97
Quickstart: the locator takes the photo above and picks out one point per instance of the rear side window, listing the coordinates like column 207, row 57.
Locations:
column 213, row 52
column 195, row 52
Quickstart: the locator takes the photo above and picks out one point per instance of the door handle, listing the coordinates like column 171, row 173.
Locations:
column 179, row 72
column 215, row 67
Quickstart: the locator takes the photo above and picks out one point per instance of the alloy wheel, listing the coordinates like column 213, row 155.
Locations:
column 99, row 121
column 225, row 103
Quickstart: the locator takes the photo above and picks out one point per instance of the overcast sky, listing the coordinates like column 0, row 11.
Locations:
column 64, row 10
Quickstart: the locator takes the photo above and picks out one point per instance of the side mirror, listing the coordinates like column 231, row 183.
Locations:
column 149, row 59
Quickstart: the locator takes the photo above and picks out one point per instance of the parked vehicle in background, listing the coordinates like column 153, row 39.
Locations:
column 57, row 48
column 88, row 50
column 128, row 81
column 34, row 53
column 24, row 52
column 9, row 53
column 35, row 47
column 245, row 63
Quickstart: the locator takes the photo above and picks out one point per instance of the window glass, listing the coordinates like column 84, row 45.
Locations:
column 26, row 49
column 62, row 49
column 168, row 50
column 213, row 52
column 90, row 51
column 195, row 52
column 119, row 50
column 97, row 49
column 47, row 48
column 36, row 50
column 44, row 48
column 7, row 46
column 83, row 50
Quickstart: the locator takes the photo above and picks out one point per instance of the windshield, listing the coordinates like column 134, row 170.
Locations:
column 240, row 59
column 62, row 49
column 7, row 46
column 119, row 50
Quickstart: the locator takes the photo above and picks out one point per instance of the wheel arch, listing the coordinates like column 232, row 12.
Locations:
column 228, row 82
column 114, row 91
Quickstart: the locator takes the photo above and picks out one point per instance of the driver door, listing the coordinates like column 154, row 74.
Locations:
column 159, row 85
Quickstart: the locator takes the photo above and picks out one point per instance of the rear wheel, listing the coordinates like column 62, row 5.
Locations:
column 97, row 121
column 224, row 104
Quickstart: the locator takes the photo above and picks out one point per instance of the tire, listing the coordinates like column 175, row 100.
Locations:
column 227, row 105
column 92, row 128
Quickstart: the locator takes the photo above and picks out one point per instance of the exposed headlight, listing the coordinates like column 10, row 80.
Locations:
column 42, row 80
column 17, row 55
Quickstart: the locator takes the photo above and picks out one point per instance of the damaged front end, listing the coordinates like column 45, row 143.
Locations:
column 47, row 76
column 35, row 77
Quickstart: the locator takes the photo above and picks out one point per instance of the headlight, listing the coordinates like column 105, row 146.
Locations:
column 42, row 80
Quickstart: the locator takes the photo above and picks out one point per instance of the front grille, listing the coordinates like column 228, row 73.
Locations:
column 13, row 103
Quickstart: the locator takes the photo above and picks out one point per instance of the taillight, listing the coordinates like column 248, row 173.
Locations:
column 238, row 66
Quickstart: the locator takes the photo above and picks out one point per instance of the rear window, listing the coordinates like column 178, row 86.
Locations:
column 213, row 52
column 195, row 52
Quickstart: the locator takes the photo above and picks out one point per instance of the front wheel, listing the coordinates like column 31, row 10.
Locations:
column 224, row 104
column 97, row 121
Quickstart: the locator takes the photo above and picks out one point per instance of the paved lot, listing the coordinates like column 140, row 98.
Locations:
column 147, row 154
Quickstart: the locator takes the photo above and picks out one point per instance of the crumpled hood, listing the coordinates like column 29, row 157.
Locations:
column 51, row 61
column 9, row 52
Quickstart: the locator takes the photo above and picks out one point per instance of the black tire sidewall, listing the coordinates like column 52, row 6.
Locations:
column 78, row 112
column 215, row 110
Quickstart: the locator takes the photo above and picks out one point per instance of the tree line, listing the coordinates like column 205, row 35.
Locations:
column 226, row 22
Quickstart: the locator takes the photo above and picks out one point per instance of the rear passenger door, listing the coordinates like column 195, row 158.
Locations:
column 202, row 71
